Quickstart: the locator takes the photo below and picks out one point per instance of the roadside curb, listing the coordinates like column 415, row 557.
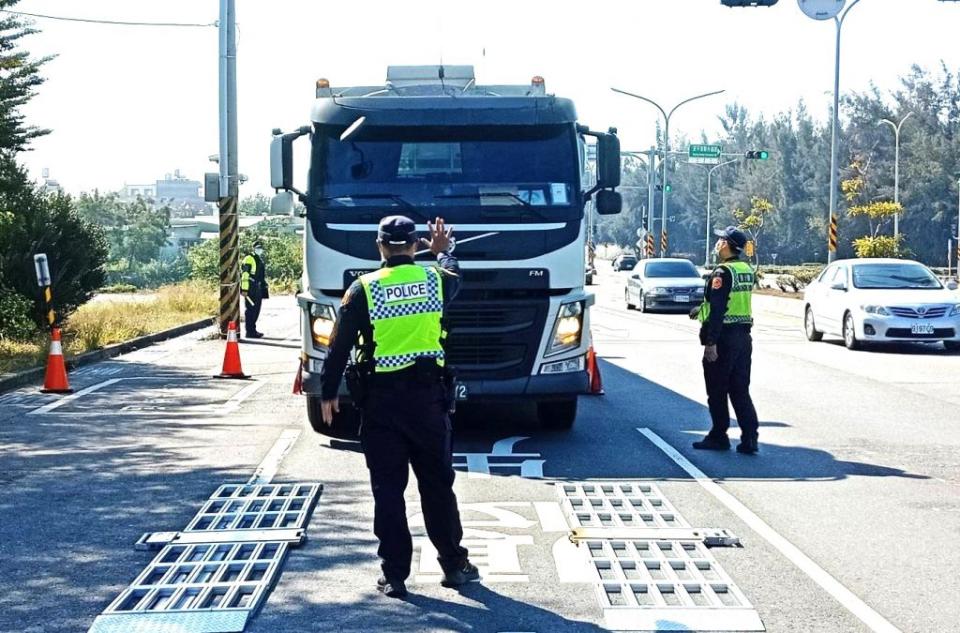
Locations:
column 780, row 305
column 27, row 376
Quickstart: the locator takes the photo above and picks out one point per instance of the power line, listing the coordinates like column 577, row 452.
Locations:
column 109, row 22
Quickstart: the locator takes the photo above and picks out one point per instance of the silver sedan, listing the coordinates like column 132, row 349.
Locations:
column 882, row 301
column 664, row 283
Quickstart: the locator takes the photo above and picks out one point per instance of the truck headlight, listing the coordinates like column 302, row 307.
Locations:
column 877, row 310
column 567, row 329
column 322, row 318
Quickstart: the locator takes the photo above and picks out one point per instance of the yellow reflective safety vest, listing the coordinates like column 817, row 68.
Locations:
column 406, row 307
column 739, row 306
column 248, row 270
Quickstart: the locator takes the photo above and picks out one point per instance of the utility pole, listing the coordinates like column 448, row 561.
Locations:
column 229, row 177
column 666, row 153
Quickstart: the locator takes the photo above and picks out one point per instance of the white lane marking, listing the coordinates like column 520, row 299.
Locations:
column 234, row 403
column 860, row 609
column 47, row 408
column 267, row 469
column 551, row 516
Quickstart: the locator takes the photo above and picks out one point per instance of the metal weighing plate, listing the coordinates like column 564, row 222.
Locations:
column 619, row 504
column 257, row 507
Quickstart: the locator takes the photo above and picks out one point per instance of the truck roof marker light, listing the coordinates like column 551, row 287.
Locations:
column 538, row 85
column 323, row 88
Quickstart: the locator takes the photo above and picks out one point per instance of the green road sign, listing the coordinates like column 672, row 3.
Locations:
column 705, row 154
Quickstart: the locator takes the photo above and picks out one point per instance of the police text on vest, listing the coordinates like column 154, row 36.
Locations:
column 406, row 292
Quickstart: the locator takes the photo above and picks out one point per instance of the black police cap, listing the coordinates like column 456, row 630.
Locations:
column 734, row 237
column 397, row 230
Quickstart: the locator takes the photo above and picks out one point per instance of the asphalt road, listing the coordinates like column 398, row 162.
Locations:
column 848, row 517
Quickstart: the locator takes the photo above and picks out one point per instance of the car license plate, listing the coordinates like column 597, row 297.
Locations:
column 460, row 391
column 681, row 298
column 921, row 328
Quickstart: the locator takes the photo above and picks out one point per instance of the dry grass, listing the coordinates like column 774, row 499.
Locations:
column 96, row 325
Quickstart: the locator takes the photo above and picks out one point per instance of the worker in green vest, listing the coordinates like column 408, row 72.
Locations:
column 253, row 288
column 725, row 321
column 394, row 316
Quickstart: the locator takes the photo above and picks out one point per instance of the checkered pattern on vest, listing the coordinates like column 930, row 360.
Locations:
column 433, row 303
column 404, row 360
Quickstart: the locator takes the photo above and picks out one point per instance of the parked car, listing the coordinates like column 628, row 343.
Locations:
column 664, row 283
column 880, row 301
column 624, row 262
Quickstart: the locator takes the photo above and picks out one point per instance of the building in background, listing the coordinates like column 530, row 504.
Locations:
column 176, row 191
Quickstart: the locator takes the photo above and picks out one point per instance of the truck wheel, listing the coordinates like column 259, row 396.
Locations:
column 557, row 415
column 346, row 424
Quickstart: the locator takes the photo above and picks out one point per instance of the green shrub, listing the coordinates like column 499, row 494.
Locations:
column 16, row 316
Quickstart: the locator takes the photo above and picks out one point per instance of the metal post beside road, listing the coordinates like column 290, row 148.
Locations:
column 42, row 267
column 896, row 166
column 229, row 178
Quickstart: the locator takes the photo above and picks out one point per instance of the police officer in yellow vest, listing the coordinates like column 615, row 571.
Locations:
column 253, row 288
column 394, row 316
column 725, row 321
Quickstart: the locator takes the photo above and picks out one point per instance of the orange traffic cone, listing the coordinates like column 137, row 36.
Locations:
column 55, row 380
column 231, row 358
column 593, row 372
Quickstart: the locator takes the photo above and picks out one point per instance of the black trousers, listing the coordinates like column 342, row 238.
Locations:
column 405, row 424
column 251, row 313
column 728, row 378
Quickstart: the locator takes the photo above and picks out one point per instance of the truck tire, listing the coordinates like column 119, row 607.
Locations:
column 346, row 424
column 557, row 415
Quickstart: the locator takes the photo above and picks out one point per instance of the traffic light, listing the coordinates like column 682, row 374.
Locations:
column 748, row 3
column 758, row 155
column 669, row 188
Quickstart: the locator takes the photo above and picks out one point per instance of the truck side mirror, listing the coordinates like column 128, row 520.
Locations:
column 282, row 204
column 281, row 159
column 609, row 202
column 608, row 161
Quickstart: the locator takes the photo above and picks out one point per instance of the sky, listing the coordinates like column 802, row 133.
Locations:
column 127, row 105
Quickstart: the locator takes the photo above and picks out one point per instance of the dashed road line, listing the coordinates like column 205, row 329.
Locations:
column 850, row 601
column 267, row 469
column 47, row 408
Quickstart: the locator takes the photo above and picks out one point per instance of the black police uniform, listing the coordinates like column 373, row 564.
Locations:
column 728, row 377
column 404, row 424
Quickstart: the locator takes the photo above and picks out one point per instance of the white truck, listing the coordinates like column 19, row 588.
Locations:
column 506, row 166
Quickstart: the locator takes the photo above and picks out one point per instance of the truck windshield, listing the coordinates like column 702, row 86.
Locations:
column 477, row 166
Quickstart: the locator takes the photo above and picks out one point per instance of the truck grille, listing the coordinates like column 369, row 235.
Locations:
column 927, row 312
column 497, row 340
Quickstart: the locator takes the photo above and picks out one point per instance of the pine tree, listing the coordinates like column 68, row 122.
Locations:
column 19, row 79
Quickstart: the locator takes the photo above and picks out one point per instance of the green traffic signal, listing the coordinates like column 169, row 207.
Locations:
column 758, row 155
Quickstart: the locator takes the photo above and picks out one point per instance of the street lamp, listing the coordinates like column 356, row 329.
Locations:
column 896, row 167
column 825, row 11
column 666, row 150
column 706, row 253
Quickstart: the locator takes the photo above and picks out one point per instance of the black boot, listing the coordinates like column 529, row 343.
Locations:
column 711, row 443
column 748, row 446
column 460, row 575
column 391, row 588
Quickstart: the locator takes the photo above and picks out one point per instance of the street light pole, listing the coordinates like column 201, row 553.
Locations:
column 836, row 129
column 666, row 152
column 706, row 255
column 896, row 167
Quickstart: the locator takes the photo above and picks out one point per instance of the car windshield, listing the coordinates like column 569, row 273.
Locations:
column 894, row 276
column 671, row 269
column 522, row 167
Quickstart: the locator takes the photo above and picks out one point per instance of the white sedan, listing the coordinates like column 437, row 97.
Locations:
column 882, row 301
column 664, row 283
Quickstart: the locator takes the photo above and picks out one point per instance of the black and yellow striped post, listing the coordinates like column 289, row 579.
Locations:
column 42, row 267
column 229, row 263
column 832, row 235
column 650, row 245
column 663, row 244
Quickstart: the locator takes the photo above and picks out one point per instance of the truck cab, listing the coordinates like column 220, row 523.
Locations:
column 506, row 167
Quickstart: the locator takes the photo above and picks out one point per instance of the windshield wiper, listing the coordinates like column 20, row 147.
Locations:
column 406, row 204
column 487, row 194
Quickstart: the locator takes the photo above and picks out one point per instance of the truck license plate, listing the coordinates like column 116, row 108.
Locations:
column 921, row 328
column 681, row 298
column 461, row 391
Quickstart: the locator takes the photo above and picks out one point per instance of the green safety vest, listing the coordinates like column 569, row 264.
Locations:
column 248, row 268
column 738, row 305
column 406, row 306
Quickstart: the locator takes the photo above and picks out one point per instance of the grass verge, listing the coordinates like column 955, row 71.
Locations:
column 98, row 324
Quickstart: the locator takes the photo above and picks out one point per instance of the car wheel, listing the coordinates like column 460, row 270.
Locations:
column 346, row 423
column 952, row 346
column 643, row 303
column 626, row 297
column 810, row 328
column 850, row 333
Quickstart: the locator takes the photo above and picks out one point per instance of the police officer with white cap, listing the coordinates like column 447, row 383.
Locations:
column 394, row 315
column 725, row 322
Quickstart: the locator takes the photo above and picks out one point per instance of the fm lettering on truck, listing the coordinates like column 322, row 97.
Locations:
column 405, row 292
